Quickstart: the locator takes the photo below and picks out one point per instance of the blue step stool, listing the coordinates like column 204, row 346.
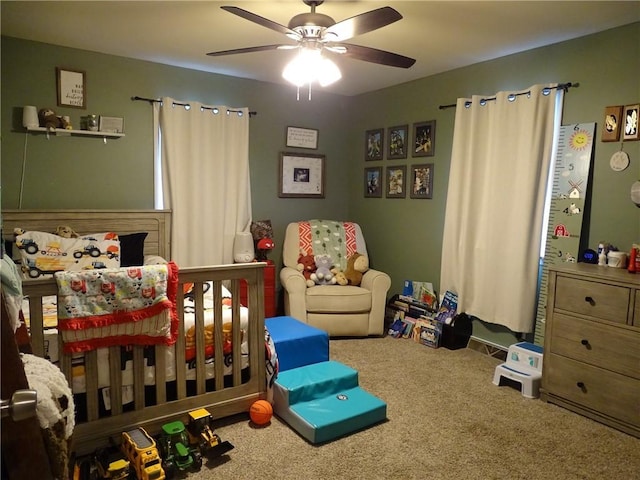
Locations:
column 323, row 401
column 315, row 396
column 297, row 343
column 524, row 366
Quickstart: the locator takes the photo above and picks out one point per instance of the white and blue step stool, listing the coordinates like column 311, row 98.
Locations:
column 524, row 366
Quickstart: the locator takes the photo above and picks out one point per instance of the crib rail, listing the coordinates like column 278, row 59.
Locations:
column 222, row 401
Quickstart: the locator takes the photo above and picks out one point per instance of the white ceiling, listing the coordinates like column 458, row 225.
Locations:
column 441, row 35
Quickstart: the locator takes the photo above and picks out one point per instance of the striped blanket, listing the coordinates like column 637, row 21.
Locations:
column 117, row 306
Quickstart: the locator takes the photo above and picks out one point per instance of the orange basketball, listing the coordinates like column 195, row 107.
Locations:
column 261, row 412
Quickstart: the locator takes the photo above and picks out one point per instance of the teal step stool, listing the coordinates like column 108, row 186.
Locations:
column 319, row 398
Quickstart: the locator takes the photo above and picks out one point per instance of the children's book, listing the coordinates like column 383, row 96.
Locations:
column 448, row 308
column 421, row 292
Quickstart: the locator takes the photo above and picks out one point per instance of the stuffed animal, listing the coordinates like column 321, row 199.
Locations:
column 339, row 276
column 307, row 265
column 357, row 264
column 50, row 120
column 66, row 231
column 323, row 275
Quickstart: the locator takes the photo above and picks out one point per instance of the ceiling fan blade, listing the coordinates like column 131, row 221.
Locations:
column 363, row 23
column 374, row 55
column 252, row 17
column 262, row 48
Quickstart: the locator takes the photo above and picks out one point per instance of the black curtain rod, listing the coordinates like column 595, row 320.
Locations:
column 158, row 100
column 563, row 86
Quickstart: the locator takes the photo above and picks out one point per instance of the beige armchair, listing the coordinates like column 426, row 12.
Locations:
column 355, row 311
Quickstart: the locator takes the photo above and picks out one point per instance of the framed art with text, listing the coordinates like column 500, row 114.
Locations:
column 374, row 144
column 373, row 182
column 302, row 137
column 398, row 142
column 71, row 88
column 301, row 175
column 424, row 139
column 396, row 182
column 421, row 181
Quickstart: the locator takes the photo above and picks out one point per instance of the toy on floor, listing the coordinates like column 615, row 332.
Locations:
column 200, row 429
column 140, row 449
column 111, row 463
column 175, row 450
column 261, row 412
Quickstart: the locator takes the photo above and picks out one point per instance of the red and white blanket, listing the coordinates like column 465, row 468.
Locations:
column 117, row 306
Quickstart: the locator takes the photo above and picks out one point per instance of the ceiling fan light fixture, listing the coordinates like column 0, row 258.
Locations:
column 309, row 66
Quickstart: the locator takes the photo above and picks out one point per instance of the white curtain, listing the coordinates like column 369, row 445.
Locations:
column 500, row 162
column 205, row 179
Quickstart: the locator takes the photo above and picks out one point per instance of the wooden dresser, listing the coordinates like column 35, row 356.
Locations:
column 592, row 344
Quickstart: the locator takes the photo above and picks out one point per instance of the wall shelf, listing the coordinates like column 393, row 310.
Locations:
column 65, row 133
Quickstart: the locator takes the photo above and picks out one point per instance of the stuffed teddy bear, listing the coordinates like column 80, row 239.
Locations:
column 307, row 266
column 339, row 276
column 357, row 264
column 323, row 275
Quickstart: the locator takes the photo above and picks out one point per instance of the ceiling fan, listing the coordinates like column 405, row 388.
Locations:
column 316, row 31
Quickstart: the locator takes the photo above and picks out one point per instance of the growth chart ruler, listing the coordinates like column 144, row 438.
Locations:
column 570, row 179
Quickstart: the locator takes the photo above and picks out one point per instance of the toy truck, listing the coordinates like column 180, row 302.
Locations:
column 111, row 463
column 200, row 428
column 140, row 449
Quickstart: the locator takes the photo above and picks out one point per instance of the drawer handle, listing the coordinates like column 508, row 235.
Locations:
column 581, row 386
column 585, row 342
column 590, row 301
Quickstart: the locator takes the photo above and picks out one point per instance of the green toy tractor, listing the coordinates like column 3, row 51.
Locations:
column 176, row 453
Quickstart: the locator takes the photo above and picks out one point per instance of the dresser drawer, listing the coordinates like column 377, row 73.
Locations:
column 608, row 347
column 606, row 392
column 599, row 300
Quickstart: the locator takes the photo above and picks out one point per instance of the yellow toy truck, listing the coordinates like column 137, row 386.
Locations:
column 140, row 448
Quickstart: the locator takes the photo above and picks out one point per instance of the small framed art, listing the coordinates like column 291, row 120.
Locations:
column 398, row 142
column 302, row 137
column 374, row 144
column 396, row 182
column 421, row 181
column 72, row 88
column 301, row 175
column 373, row 182
column 612, row 123
column 630, row 123
column 424, row 139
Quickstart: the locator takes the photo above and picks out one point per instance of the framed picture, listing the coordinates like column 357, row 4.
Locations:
column 398, row 142
column 374, row 144
column 373, row 182
column 72, row 88
column 301, row 175
column 111, row 124
column 630, row 122
column 612, row 123
column 421, row 181
column 302, row 137
column 396, row 184
column 424, row 139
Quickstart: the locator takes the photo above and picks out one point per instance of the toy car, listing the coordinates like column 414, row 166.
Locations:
column 112, row 464
column 201, row 433
column 175, row 450
column 140, row 448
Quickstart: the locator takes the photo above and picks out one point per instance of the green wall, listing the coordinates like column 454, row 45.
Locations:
column 404, row 235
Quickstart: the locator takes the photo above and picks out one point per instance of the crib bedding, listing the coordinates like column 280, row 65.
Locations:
column 78, row 385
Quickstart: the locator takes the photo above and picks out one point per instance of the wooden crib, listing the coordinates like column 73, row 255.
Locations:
column 223, row 395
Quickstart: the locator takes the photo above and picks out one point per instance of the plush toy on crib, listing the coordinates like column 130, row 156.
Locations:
column 66, row 231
